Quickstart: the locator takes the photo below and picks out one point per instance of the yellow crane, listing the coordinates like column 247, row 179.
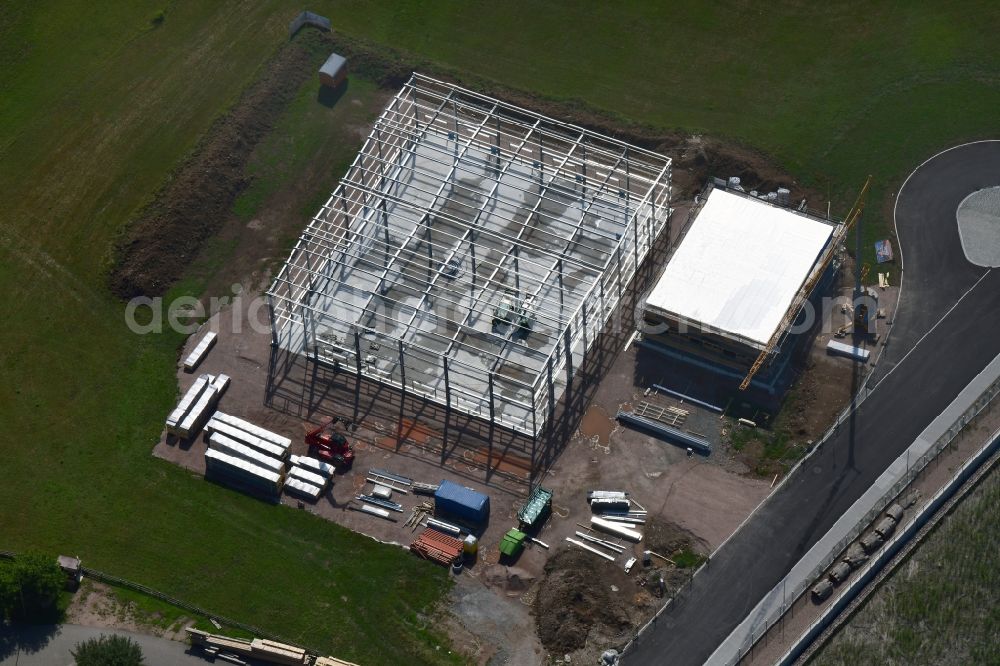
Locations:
column 852, row 217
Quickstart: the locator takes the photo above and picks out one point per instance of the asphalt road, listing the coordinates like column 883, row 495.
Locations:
column 53, row 645
column 947, row 329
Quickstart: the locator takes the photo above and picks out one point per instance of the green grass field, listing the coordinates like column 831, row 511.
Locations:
column 99, row 103
column 940, row 606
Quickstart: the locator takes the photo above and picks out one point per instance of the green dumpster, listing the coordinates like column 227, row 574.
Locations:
column 512, row 543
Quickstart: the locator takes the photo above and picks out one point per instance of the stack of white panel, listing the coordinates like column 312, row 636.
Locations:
column 198, row 353
column 313, row 465
column 230, row 446
column 244, row 437
column 303, row 489
column 252, row 429
column 197, row 405
column 303, row 474
column 199, row 412
column 189, row 398
column 242, row 474
column 220, row 383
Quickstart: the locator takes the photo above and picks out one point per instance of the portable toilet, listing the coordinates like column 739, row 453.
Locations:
column 334, row 71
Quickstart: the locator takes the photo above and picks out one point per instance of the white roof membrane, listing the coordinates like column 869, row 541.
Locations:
column 740, row 266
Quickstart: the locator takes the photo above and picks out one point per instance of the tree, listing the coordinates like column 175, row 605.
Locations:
column 8, row 589
column 111, row 650
column 36, row 582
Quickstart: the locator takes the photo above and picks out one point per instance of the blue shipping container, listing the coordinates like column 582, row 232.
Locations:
column 462, row 503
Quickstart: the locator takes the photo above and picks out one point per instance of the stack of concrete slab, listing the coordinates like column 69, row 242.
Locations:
column 196, row 405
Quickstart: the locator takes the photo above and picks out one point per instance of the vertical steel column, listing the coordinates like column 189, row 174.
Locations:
column 402, row 368
column 447, row 386
column 385, row 230
column 357, row 350
column 552, row 389
column 274, row 320
column 492, row 398
column 517, row 272
column 559, row 263
column 430, row 247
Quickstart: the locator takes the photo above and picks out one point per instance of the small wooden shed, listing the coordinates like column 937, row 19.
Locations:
column 73, row 568
column 334, row 71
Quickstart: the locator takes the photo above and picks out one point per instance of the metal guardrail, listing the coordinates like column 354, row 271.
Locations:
column 913, row 470
column 972, row 468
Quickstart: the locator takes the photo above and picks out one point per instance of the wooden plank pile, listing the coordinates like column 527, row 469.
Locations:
column 437, row 547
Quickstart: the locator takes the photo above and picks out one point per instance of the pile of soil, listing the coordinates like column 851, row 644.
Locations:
column 157, row 246
column 667, row 538
column 575, row 602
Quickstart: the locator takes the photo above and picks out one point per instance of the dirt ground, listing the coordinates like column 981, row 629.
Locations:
column 95, row 605
column 708, row 496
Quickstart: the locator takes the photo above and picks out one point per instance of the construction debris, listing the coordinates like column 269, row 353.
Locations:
column 618, row 548
column 385, row 504
column 444, row 526
column 376, row 511
column 592, row 550
column 386, row 474
column 424, row 488
column 615, row 529
column 417, row 514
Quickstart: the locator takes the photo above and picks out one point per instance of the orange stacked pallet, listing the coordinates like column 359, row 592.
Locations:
column 437, row 546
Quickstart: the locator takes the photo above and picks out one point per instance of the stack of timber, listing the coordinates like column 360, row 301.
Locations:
column 196, row 405
column 437, row 547
column 616, row 529
column 332, row 661
column 199, row 351
column 277, row 653
column 259, row 649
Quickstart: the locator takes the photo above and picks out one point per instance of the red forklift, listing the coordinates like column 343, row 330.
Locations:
column 329, row 446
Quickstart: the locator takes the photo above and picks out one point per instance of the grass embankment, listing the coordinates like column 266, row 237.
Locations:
column 85, row 139
column 833, row 92
column 938, row 607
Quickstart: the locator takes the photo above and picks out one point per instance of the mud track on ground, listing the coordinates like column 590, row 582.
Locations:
column 156, row 248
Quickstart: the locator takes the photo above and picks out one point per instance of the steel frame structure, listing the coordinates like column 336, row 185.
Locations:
column 472, row 253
